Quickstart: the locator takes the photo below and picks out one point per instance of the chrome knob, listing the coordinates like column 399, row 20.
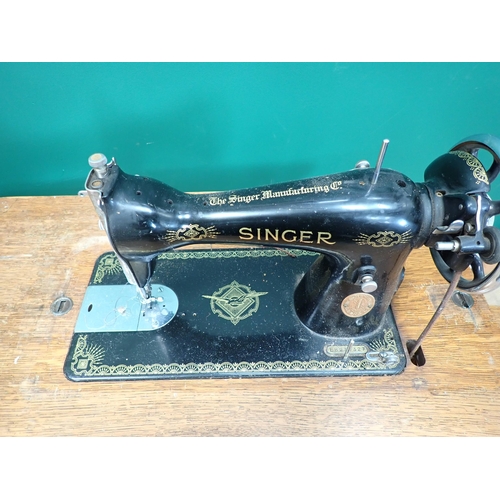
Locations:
column 368, row 285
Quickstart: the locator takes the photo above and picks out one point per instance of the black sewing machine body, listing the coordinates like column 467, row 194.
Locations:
column 331, row 215
column 353, row 231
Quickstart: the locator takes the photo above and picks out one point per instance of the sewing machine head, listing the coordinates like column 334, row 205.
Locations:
column 357, row 227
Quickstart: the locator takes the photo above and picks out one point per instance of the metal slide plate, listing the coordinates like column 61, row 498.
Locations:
column 117, row 308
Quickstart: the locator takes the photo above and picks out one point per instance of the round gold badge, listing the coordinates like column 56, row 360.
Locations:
column 357, row 304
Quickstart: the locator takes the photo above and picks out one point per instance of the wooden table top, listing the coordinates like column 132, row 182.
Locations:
column 48, row 249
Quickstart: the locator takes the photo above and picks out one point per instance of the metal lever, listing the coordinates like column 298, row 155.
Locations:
column 454, row 228
column 437, row 312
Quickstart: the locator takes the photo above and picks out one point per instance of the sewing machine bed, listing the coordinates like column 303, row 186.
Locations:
column 235, row 318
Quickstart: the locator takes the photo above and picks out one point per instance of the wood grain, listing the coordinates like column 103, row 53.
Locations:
column 48, row 249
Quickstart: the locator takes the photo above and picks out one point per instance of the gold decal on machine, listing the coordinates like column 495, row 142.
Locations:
column 87, row 357
column 87, row 361
column 475, row 165
column 107, row 265
column 267, row 194
column 384, row 239
column 191, row 232
column 234, row 302
column 286, row 235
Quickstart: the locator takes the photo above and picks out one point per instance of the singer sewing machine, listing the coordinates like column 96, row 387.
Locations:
column 293, row 279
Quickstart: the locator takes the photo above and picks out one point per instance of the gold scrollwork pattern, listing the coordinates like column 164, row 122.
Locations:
column 86, row 362
column 234, row 302
column 228, row 254
column 191, row 232
column 385, row 239
column 378, row 354
column 108, row 264
column 475, row 165
column 387, row 344
column 86, row 357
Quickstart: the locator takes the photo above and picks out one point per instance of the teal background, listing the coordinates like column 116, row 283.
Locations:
column 218, row 126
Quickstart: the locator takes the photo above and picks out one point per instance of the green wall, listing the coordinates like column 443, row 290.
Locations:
column 229, row 125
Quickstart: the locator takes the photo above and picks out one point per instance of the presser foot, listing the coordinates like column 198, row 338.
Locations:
column 226, row 313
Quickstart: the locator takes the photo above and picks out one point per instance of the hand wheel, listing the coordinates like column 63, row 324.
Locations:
column 483, row 235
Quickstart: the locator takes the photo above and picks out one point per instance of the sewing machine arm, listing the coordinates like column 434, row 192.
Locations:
column 362, row 230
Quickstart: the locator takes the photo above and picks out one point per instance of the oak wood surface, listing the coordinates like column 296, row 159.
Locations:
column 48, row 247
